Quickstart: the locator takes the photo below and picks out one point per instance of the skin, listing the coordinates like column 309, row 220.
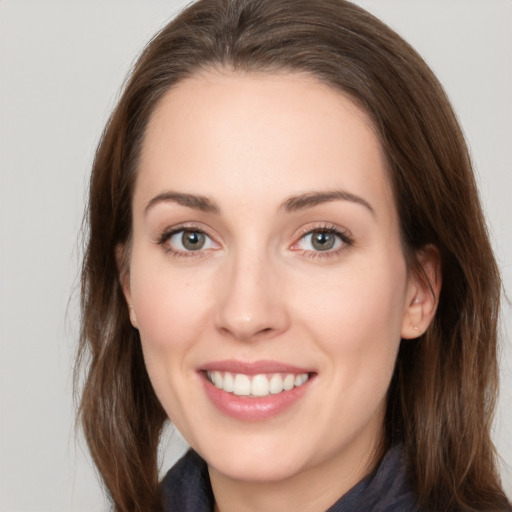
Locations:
column 258, row 289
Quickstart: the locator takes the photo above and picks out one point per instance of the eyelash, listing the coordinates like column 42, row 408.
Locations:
column 346, row 241
column 167, row 235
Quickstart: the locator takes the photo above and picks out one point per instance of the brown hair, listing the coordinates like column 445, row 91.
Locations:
column 443, row 391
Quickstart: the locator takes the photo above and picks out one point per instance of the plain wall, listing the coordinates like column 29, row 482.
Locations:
column 62, row 64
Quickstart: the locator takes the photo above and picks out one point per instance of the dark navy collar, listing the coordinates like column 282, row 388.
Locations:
column 186, row 488
column 386, row 490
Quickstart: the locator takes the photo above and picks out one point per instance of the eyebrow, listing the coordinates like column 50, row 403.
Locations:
column 193, row 201
column 311, row 199
column 292, row 204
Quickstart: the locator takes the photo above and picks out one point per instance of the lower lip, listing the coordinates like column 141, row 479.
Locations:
column 253, row 409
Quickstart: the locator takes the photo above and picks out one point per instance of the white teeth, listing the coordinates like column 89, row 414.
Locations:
column 276, row 384
column 217, row 379
column 289, row 382
column 260, row 385
column 242, row 385
column 257, row 386
column 229, row 383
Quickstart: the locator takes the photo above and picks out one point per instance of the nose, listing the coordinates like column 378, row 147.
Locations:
column 251, row 302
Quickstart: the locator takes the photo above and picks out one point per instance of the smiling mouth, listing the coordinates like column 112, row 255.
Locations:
column 256, row 386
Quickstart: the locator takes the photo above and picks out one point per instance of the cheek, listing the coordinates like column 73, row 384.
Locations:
column 171, row 316
column 357, row 318
column 171, row 312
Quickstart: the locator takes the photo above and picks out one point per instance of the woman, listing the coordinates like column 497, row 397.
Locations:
column 287, row 274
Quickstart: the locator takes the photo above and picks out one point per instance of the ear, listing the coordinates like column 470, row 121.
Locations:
column 124, row 278
column 423, row 291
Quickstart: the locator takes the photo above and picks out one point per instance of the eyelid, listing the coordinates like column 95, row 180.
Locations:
column 169, row 232
column 342, row 233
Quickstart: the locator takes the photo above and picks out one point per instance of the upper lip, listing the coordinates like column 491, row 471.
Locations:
column 253, row 367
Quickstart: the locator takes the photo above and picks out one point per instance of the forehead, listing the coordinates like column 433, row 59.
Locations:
column 262, row 135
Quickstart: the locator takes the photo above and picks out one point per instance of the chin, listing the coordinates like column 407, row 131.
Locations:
column 262, row 469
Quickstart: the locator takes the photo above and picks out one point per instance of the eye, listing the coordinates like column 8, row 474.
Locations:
column 187, row 240
column 322, row 240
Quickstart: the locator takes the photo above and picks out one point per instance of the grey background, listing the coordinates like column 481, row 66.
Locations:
column 61, row 66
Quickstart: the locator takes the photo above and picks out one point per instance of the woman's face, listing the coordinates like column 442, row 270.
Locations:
column 266, row 275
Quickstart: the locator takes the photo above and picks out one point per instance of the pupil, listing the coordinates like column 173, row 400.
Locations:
column 323, row 240
column 192, row 240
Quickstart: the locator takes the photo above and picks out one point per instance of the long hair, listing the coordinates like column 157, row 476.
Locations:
column 442, row 395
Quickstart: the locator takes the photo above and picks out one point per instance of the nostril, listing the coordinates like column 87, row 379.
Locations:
column 246, row 333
